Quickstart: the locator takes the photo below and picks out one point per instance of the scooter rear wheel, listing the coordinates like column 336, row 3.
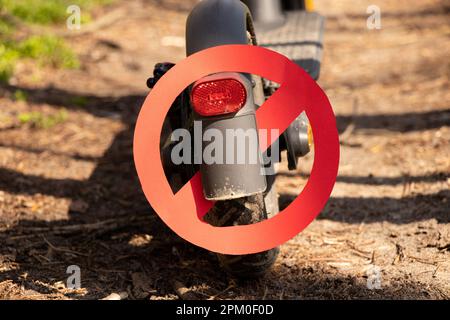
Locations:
column 243, row 211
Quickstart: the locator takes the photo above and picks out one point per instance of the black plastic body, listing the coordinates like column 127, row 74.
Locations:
column 219, row 22
column 216, row 22
column 213, row 23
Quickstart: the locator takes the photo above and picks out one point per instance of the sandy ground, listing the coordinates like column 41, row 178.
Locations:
column 69, row 195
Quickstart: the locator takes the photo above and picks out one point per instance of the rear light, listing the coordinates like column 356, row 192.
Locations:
column 218, row 97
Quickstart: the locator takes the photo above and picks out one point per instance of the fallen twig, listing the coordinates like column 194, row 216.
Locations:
column 182, row 291
column 432, row 263
column 58, row 249
column 222, row 292
column 103, row 22
column 116, row 296
column 106, row 225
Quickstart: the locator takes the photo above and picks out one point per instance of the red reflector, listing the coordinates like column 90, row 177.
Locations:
column 218, row 97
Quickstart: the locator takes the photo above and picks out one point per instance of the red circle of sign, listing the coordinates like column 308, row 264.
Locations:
column 298, row 93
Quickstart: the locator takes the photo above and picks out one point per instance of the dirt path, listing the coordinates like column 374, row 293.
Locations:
column 69, row 194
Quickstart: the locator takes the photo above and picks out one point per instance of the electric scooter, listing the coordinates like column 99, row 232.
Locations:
column 244, row 192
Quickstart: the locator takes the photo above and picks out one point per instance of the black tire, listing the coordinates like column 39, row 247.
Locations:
column 247, row 210
column 243, row 211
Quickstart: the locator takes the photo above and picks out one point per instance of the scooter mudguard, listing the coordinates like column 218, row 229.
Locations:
column 214, row 23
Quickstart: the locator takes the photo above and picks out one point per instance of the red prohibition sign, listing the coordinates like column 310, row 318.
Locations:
column 183, row 211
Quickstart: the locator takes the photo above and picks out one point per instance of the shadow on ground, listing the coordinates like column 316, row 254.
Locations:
column 108, row 243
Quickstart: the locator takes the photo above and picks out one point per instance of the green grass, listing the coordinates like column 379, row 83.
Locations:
column 6, row 28
column 46, row 12
column 36, row 11
column 79, row 101
column 48, row 51
column 8, row 58
column 20, row 95
column 40, row 121
column 45, row 50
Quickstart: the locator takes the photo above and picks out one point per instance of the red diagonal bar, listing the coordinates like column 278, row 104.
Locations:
column 278, row 112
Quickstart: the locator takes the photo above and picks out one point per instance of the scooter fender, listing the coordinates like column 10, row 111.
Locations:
column 213, row 23
column 232, row 164
column 216, row 22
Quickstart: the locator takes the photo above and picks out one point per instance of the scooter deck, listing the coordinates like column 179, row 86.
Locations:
column 299, row 38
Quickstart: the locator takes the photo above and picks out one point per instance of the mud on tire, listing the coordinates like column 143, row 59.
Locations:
column 243, row 211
